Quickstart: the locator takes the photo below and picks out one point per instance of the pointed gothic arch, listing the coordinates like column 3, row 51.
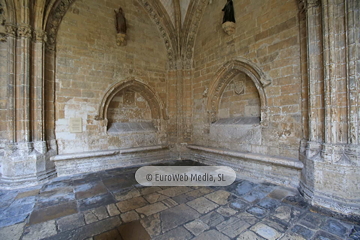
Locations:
column 156, row 105
column 226, row 74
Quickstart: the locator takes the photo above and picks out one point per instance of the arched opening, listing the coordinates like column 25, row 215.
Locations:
column 238, row 77
column 131, row 105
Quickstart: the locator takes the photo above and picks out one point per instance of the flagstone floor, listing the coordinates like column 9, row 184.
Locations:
column 111, row 205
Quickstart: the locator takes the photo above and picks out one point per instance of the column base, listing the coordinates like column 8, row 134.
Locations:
column 25, row 165
column 331, row 178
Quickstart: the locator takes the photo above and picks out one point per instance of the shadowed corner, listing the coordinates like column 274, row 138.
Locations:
column 128, row 231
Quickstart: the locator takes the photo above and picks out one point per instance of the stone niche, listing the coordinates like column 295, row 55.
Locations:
column 238, row 116
column 131, row 106
column 129, row 112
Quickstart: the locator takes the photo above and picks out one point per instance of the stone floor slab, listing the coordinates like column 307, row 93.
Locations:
column 233, row 227
column 312, row 220
column 40, row 231
column 96, row 201
column 211, row 234
column 269, row 203
column 226, row 211
column 151, row 209
column 183, row 198
column 196, row 227
column 321, row 235
column 174, row 217
column 355, row 233
column 152, row 224
column 70, row 222
column 302, row 231
column 155, row 197
column 266, row 231
column 199, row 192
column 129, row 216
column 238, row 204
column 334, row 227
column 90, row 190
column 249, row 235
column 131, row 204
column 212, row 219
column 247, row 217
column 4, row 222
column 127, row 194
column 88, row 231
column 286, row 213
column 202, row 205
column 175, row 191
column 219, row 197
column 257, row 211
column 179, row 233
column 13, row 232
column 244, row 187
column 30, row 193
column 112, row 210
column 53, row 212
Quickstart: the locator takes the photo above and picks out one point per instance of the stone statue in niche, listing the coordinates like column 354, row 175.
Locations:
column 229, row 18
column 120, row 27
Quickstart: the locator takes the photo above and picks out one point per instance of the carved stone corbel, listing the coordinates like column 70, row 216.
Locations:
column 40, row 36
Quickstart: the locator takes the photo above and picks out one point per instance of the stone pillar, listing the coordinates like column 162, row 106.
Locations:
column 26, row 160
column 332, row 168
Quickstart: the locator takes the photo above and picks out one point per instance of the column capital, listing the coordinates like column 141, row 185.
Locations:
column 24, row 31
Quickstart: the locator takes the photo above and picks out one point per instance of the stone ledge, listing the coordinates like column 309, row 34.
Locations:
column 131, row 127
column 74, row 156
column 286, row 162
column 143, row 149
column 238, row 121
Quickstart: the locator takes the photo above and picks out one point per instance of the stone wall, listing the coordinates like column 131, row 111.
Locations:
column 240, row 99
column 267, row 35
column 89, row 62
column 128, row 106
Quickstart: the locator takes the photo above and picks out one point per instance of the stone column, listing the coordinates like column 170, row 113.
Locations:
column 332, row 173
column 26, row 159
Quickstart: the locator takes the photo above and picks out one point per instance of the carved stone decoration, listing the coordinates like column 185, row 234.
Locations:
column 24, row 32
column 239, row 86
column 163, row 33
column 129, row 98
column 54, row 21
column 2, row 24
column 10, row 31
column 192, row 30
column 40, row 36
column 121, row 39
column 229, row 27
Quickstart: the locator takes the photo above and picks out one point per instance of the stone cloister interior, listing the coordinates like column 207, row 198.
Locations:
column 85, row 103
